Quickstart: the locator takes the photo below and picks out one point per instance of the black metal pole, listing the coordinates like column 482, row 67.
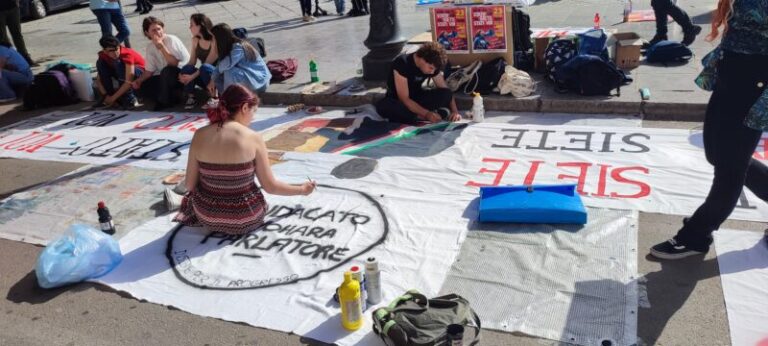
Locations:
column 384, row 40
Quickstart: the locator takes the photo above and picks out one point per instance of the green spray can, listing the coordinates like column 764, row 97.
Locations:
column 313, row 71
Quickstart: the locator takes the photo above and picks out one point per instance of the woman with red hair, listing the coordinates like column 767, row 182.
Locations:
column 224, row 158
column 737, row 115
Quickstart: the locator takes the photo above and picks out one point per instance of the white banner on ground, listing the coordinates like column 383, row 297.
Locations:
column 743, row 260
column 284, row 275
column 646, row 169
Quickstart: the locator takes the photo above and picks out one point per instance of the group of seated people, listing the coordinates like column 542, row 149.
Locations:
column 168, row 70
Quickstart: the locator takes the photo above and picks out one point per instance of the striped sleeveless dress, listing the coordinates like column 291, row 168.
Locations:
column 225, row 200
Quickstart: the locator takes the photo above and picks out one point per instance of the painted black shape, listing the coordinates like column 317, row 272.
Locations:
column 175, row 230
column 355, row 168
column 245, row 255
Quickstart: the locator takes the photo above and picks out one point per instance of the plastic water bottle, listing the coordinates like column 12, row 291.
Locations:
column 478, row 110
column 313, row 71
column 597, row 20
column 349, row 298
column 105, row 220
column 373, row 281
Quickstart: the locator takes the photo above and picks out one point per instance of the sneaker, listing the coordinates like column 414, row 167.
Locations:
column 131, row 105
column 671, row 250
column 690, row 36
column 10, row 99
column 172, row 199
column 656, row 39
column 191, row 103
column 305, row 19
column 99, row 104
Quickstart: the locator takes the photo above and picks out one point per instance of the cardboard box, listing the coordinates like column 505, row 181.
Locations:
column 540, row 46
column 627, row 54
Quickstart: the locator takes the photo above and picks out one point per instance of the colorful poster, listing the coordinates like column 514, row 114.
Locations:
column 451, row 29
column 489, row 32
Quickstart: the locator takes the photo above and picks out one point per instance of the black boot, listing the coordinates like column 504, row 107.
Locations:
column 690, row 35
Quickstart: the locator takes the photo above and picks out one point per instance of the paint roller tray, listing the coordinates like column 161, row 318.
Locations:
column 532, row 204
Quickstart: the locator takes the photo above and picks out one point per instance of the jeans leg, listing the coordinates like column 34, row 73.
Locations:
column 15, row 79
column 118, row 19
column 434, row 99
column 206, row 73
column 680, row 17
column 106, row 73
column 729, row 146
column 169, row 82
column 189, row 88
column 6, row 91
column 395, row 111
column 105, row 21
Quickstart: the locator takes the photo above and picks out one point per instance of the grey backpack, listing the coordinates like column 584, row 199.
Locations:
column 414, row 320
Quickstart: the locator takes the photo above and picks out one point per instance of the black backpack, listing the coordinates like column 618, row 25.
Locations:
column 50, row 88
column 668, row 52
column 590, row 75
column 558, row 52
column 521, row 30
column 487, row 77
column 256, row 42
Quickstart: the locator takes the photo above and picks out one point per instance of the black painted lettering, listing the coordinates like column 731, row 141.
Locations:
column 309, row 250
column 335, row 256
column 328, row 233
column 106, row 152
column 517, row 138
column 628, row 139
column 587, row 140
column 360, row 219
column 282, row 243
column 90, row 146
column 607, row 142
column 309, row 211
column 543, row 141
column 299, row 243
column 323, row 251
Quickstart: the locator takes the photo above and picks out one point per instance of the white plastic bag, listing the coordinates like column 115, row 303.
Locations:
column 81, row 253
column 82, row 83
column 516, row 82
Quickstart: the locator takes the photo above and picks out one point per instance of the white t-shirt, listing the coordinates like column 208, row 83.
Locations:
column 155, row 61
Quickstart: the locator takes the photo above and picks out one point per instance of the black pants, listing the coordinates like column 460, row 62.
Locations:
column 662, row 8
column 396, row 111
column 306, row 7
column 165, row 88
column 143, row 5
column 11, row 19
column 729, row 146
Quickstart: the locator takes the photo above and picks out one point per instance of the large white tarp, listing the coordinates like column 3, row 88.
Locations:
column 652, row 170
column 283, row 276
column 743, row 260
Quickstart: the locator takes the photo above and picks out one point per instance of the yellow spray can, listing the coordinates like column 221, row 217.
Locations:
column 349, row 298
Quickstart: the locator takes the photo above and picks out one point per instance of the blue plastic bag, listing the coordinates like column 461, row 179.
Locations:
column 82, row 253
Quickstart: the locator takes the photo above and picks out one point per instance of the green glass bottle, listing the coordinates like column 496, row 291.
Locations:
column 313, row 71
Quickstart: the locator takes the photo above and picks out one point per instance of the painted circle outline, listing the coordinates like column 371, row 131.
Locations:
column 178, row 227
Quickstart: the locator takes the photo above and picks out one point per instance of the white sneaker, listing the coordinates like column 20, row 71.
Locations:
column 212, row 103
column 172, row 199
column 305, row 19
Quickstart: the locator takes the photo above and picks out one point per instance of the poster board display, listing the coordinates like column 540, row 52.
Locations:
column 451, row 29
column 485, row 55
column 488, row 28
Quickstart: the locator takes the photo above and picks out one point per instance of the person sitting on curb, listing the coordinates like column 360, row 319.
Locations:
column 121, row 64
column 224, row 158
column 203, row 50
column 662, row 8
column 406, row 102
column 14, row 72
column 164, row 54
column 239, row 62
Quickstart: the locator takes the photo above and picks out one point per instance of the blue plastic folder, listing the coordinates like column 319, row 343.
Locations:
column 532, row 204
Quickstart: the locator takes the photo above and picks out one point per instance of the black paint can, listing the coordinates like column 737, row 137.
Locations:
column 455, row 335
